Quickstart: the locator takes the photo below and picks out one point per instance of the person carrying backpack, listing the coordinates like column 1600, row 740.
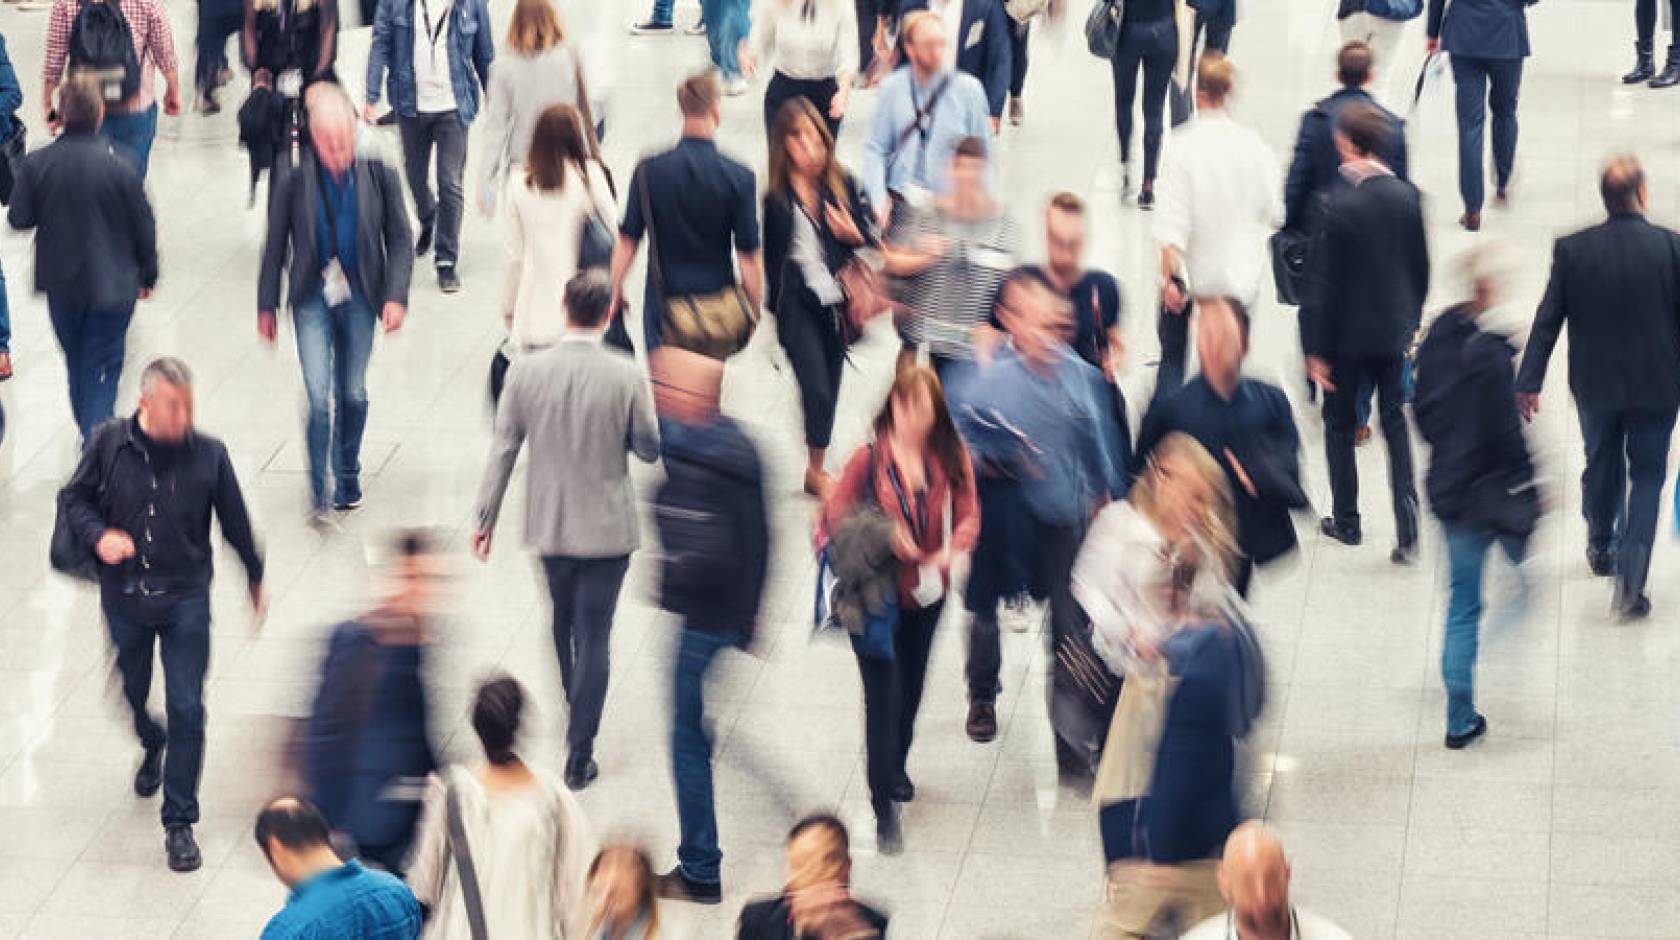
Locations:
column 123, row 44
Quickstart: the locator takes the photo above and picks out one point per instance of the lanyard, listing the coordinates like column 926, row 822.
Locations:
column 923, row 123
column 918, row 519
column 433, row 32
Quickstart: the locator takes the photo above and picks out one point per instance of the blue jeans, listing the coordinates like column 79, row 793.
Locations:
column 179, row 624
column 1621, row 488
column 333, row 347
column 93, row 343
column 5, row 316
column 1467, row 549
column 726, row 24
column 691, row 754
column 131, row 134
column 662, row 11
column 1483, row 85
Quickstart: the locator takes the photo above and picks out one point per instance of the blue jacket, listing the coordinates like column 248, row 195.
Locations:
column 470, row 52
column 11, row 93
column 1481, row 29
column 1317, row 165
column 983, row 49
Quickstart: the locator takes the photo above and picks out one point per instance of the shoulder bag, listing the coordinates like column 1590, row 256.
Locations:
column 11, row 159
column 66, row 552
column 716, row 325
column 1102, row 27
column 461, row 852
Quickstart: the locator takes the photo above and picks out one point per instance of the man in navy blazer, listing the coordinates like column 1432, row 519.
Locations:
column 1487, row 40
column 1317, row 165
column 982, row 45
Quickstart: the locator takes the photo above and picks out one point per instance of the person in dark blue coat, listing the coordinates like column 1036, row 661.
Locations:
column 11, row 99
column 1487, row 40
column 981, row 44
column 1317, row 165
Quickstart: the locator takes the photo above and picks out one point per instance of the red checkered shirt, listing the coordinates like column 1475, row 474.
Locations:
column 154, row 43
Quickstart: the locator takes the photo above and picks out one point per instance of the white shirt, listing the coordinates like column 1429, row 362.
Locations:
column 1308, row 926
column 950, row 11
column 433, row 91
column 1220, row 199
column 542, row 235
column 823, row 45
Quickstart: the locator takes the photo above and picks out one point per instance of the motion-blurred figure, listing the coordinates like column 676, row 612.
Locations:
column 622, row 889
column 330, row 897
column 1254, row 880
column 817, row 903
column 369, row 745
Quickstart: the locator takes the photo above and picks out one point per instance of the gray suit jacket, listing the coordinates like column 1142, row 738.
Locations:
column 585, row 408
column 384, row 245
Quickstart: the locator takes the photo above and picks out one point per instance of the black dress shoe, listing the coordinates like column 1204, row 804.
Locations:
column 423, row 244
column 889, row 836
column 676, row 886
column 448, row 281
column 1146, row 199
column 1643, row 67
column 581, row 772
column 982, row 722
column 183, row 850
column 903, row 791
column 149, row 777
column 1345, row 534
column 1670, row 74
column 1404, row 554
column 1456, row 742
column 1637, row 609
column 1602, row 562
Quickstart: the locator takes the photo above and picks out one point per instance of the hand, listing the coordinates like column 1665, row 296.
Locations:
column 1318, row 373
column 114, row 547
column 368, row 115
column 1528, row 405
column 1242, row 475
column 843, row 97
column 1173, row 296
column 259, row 609
column 481, row 545
column 746, row 60
column 172, row 102
column 268, row 325
column 1115, row 362
column 1432, row 45
column 145, row 293
column 997, row 125
column 393, row 316
column 883, row 215
column 840, row 223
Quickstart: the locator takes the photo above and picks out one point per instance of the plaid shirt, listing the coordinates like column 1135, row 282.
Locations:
column 154, row 44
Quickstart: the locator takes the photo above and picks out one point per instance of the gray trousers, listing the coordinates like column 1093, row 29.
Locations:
column 420, row 134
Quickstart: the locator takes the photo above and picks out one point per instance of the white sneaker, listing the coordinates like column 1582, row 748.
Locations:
column 735, row 85
column 698, row 29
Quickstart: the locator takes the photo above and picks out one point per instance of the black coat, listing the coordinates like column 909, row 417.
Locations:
column 983, row 46
column 1368, row 272
column 782, row 276
column 1466, row 409
column 1617, row 287
column 714, row 470
column 1481, row 29
column 96, row 241
column 1316, row 166
column 384, row 244
column 769, row 920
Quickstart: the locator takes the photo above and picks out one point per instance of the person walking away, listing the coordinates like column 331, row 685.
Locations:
column 432, row 63
column 1616, row 287
column 525, row 834
column 815, row 220
column 1379, row 24
column 814, row 45
column 916, row 472
column 1369, row 274
column 340, row 220
column 817, row 898
column 1644, row 45
column 585, row 410
column 540, row 66
column 1215, row 20
column 1254, row 881
column 329, row 896
column 369, row 743
column 1020, row 35
column 1480, row 479
column 714, row 535
column 702, row 206
column 1148, row 44
column 95, row 248
column 11, row 99
column 1487, row 41
column 218, row 20
column 154, row 575
column 984, row 49
column 622, row 890
column 87, row 38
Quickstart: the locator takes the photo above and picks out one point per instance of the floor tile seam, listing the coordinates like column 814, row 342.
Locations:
column 40, row 905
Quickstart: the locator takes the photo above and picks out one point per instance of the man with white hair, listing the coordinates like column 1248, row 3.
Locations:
column 1254, row 880
column 341, row 221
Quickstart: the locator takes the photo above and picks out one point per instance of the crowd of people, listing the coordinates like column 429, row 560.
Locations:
column 1002, row 464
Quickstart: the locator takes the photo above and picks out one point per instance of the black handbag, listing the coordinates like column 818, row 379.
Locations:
column 67, row 553
column 1102, row 27
column 1290, row 250
column 12, row 150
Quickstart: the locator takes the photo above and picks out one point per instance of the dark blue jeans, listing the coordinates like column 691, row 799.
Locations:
column 93, row 342
column 179, row 625
column 1467, row 549
column 5, row 316
column 334, row 345
column 1621, row 488
column 1483, row 85
column 585, row 595
column 691, row 753
column 661, row 12
column 132, row 134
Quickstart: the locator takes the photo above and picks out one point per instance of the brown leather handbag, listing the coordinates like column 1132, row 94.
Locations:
column 716, row 325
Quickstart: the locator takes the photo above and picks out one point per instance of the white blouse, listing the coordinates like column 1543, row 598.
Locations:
column 808, row 39
column 543, row 232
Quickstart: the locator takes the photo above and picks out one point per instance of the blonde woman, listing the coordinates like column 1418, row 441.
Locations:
column 537, row 68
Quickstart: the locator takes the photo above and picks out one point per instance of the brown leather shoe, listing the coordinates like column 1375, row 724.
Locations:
column 1472, row 221
column 982, row 722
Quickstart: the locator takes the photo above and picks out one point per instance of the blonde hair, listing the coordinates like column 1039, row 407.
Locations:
column 535, row 28
column 1214, row 526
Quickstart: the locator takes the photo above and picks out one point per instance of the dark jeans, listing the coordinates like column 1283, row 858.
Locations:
column 334, row 345
column 1627, row 459
column 585, row 594
column 1645, row 24
column 5, row 316
column 868, row 15
column 93, row 342
column 131, row 134
column 808, row 335
column 213, row 32
column 420, row 134
column 691, row 754
column 892, row 695
column 1217, row 31
column 179, row 625
column 1055, row 548
column 1483, row 85
column 1172, row 329
column 783, row 89
column 1339, row 425
column 1018, row 35
column 1153, row 48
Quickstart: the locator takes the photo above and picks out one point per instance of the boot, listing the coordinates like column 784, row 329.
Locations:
column 1671, row 69
column 1643, row 67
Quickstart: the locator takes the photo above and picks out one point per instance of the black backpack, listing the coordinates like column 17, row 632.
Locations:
column 102, row 46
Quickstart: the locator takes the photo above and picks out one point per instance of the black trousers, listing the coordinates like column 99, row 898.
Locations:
column 585, row 595
column 1645, row 24
column 1339, row 424
column 892, row 694
column 1172, row 329
column 1055, row 548
column 1152, row 48
column 1018, row 34
column 783, row 89
column 1621, row 488
column 869, row 13
column 1217, row 31
column 811, row 340
column 213, row 31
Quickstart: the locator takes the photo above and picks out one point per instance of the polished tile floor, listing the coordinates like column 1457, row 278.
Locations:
column 1562, row 822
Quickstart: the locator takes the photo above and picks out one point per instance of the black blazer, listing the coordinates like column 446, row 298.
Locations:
column 982, row 47
column 1617, row 287
column 96, row 241
column 1481, row 29
column 1369, row 272
column 768, row 920
column 384, row 246
column 1316, row 166
column 782, row 276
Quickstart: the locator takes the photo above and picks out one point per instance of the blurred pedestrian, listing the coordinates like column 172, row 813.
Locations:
column 127, row 89
column 986, row 50
column 814, row 46
column 520, row 834
column 329, row 897
column 281, row 36
column 585, row 410
column 1254, row 880
column 218, row 20
column 816, row 902
column 621, row 887
column 1486, row 41
column 540, row 67
column 154, row 574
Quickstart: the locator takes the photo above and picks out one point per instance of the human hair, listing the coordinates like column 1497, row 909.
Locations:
column 943, row 441
column 588, row 296
column 1239, row 313
column 1215, row 524
column 1487, row 266
column 1621, row 184
column 413, row 543
column 647, row 893
column 1365, row 127
column 165, row 369
column 1353, row 64
column 535, row 28
column 831, row 824
column 913, row 21
column 294, row 823
column 788, row 118
column 81, row 104
column 495, row 717
column 557, row 141
column 1215, row 77
column 698, row 95
column 1069, row 203
column 972, row 147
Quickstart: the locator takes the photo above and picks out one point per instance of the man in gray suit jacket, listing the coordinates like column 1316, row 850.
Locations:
column 341, row 221
column 585, row 409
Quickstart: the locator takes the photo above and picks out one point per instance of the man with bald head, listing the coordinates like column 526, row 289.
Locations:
column 1616, row 286
column 1254, row 880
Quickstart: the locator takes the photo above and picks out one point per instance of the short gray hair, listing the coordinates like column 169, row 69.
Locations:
column 165, row 369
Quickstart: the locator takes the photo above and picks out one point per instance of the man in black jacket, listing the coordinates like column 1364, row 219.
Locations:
column 1370, row 273
column 1617, row 286
column 154, row 574
column 95, row 248
column 715, row 538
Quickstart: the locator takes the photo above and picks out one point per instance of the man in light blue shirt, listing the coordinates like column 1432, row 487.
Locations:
column 923, row 111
